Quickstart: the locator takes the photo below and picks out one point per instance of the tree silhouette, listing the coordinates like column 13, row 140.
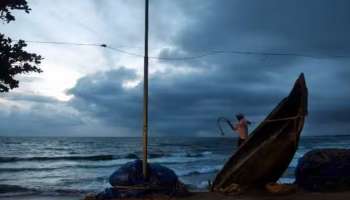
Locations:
column 13, row 59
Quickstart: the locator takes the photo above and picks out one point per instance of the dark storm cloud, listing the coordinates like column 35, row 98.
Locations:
column 41, row 115
column 99, row 94
column 179, row 104
column 31, row 98
column 222, row 84
column 316, row 28
column 187, row 96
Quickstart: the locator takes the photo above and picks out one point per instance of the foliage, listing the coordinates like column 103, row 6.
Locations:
column 13, row 59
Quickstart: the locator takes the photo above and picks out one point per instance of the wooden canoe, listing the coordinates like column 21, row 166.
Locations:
column 266, row 154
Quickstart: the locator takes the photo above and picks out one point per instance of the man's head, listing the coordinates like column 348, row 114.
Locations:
column 239, row 116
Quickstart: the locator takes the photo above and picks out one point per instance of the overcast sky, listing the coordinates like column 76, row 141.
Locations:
column 92, row 91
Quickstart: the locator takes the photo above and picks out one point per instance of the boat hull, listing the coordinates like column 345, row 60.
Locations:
column 266, row 154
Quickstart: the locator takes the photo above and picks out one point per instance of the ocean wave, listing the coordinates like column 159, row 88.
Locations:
column 28, row 169
column 286, row 180
column 200, row 186
column 58, row 149
column 150, row 155
column 14, row 189
column 203, row 185
column 60, row 192
column 84, row 180
column 44, row 158
column 191, row 155
column 175, row 160
column 204, row 170
column 104, row 157
column 131, row 156
column 112, row 164
column 157, row 155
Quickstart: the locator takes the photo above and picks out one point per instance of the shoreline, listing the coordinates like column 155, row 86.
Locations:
column 299, row 195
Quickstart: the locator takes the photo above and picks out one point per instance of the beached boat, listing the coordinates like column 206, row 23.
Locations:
column 270, row 147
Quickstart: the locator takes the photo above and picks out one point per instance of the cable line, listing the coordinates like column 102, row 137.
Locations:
column 201, row 55
column 63, row 43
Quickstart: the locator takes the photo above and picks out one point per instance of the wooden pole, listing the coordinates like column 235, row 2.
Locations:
column 145, row 97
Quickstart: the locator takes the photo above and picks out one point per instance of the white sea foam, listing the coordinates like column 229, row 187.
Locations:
column 197, row 171
column 44, row 163
column 286, row 180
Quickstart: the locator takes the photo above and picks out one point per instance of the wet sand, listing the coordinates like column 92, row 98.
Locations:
column 36, row 197
column 216, row 196
column 267, row 196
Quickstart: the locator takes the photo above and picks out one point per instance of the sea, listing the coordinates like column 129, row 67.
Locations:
column 57, row 166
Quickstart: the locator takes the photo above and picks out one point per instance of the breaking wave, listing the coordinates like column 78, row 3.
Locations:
column 204, row 170
column 43, row 158
column 100, row 157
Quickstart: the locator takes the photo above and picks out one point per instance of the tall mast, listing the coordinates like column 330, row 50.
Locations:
column 145, row 97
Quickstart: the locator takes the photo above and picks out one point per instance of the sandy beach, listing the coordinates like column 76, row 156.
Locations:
column 265, row 196
column 300, row 195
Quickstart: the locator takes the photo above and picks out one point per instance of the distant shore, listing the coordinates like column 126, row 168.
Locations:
column 300, row 195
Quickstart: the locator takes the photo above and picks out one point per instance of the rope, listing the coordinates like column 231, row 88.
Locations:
column 284, row 119
column 223, row 119
column 134, row 187
column 201, row 53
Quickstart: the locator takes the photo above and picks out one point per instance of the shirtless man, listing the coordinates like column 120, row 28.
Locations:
column 241, row 127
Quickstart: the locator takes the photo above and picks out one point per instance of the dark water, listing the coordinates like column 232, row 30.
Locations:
column 61, row 166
